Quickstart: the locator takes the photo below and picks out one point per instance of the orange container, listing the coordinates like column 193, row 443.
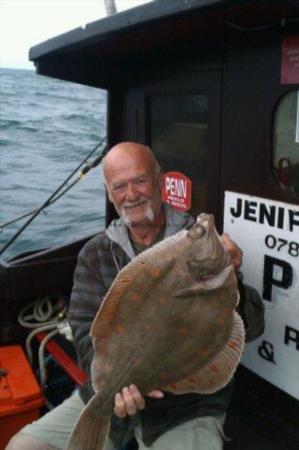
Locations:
column 20, row 395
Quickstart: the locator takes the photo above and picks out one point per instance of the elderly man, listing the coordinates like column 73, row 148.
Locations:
column 162, row 420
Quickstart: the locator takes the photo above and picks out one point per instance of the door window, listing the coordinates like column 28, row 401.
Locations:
column 286, row 143
column 178, row 136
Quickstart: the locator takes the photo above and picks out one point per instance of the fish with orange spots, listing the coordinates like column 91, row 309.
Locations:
column 168, row 322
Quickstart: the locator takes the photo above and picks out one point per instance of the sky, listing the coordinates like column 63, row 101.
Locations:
column 25, row 23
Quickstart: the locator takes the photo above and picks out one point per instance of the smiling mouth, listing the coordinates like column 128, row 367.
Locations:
column 135, row 205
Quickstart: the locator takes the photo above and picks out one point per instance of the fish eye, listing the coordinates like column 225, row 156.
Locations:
column 200, row 229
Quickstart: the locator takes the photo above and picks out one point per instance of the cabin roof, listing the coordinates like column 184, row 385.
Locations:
column 93, row 55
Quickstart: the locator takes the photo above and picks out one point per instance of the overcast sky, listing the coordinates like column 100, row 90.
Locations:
column 24, row 23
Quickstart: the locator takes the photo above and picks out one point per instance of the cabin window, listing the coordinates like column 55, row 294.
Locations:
column 286, row 143
column 178, row 136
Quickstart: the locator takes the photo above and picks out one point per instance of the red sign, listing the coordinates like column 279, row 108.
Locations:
column 176, row 190
column 290, row 60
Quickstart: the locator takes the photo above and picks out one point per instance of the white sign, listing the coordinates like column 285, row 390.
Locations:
column 268, row 233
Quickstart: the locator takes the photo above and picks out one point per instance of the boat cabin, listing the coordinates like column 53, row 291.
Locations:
column 212, row 86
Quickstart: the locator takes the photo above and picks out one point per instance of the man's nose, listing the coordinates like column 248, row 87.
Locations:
column 132, row 192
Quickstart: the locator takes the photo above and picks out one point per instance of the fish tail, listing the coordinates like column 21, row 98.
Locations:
column 91, row 430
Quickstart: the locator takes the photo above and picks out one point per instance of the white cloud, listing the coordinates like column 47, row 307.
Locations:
column 24, row 23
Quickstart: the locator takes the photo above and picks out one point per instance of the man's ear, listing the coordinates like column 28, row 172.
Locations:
column 108, row 194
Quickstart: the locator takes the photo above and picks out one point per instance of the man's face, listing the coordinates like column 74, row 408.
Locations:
column 134, row 188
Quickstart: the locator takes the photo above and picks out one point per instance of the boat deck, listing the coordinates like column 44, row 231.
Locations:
column 260, row 417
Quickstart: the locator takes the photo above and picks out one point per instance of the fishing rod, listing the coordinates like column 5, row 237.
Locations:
column 32, row 211
column 57, row 194
column 82, row 174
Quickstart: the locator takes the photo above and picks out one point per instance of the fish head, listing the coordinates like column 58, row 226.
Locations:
column 207, row 255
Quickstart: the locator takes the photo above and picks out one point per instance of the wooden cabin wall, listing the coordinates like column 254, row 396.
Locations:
column 249, row 63
column 251, row 92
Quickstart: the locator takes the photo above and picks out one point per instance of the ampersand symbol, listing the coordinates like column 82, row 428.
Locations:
column 266, row 351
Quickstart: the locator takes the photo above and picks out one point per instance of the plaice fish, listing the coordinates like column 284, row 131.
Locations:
column 168, row 322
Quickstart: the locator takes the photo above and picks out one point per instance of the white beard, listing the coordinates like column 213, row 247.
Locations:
column 149, row 214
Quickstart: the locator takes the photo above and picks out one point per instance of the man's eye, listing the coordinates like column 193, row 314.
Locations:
column 142, row 181
column 118, row 187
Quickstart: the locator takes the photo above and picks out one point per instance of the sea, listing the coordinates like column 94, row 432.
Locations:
column 47, row 128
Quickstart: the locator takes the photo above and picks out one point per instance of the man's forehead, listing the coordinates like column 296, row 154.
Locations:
column 128, row 157
column 115, row 167
column 122, row 176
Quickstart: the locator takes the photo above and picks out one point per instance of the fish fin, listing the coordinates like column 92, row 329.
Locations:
column 225, row 277
column 207, row 285
column 219, row 371
column 192, row 291
column 91, row 430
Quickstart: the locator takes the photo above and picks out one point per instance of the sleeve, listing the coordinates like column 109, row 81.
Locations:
column 252, row 310
column 87, row 294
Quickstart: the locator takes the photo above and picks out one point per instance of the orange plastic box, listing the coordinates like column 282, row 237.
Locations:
column 20, row 395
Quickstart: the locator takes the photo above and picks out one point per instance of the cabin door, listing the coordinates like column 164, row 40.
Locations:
column 179, row 118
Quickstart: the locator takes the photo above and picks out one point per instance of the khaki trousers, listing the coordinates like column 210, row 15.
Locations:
column 54, row 428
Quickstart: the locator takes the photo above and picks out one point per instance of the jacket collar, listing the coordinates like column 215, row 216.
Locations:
column 175, row 221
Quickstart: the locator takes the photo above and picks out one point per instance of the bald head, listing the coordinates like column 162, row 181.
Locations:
column 129, row 151
column 132, row 179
